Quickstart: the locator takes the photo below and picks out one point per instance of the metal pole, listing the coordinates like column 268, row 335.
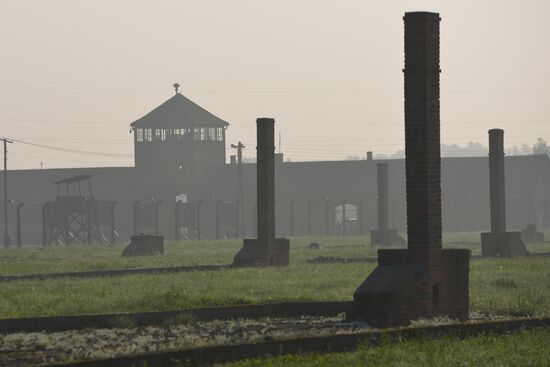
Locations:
column 292, row 217
column 309, row 202
column 236, row 228
column 19, row 242
column 361, row 215
column 177, row 222
column 327, row 216
column 113, row 222
column 44, row 225
column 157, row 216
column 239, row 210
column 136, row 217
column 255, row 209
column 199, row 218
column 88, row 222
column 344, row 218
column 218, row 204
column 6, row 234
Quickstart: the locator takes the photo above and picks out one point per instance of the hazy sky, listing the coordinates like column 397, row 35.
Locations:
column 75, row 73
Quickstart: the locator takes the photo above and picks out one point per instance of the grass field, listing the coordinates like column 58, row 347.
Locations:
column 527, row 348
column 498, row 287
column 39, row 260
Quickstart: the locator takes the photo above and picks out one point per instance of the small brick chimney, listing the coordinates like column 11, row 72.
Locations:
column 266, row 250
column 499, row 242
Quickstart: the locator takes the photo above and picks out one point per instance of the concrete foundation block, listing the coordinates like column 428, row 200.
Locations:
column 144, row 245
column 256, row 252
column 502, row 244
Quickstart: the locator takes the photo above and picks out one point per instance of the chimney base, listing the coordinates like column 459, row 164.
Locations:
column 403, row 289
column 502, row 244
column 256, row 252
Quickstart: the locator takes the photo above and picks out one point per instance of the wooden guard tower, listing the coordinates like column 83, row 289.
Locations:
column 178, row 138
column 74, row 215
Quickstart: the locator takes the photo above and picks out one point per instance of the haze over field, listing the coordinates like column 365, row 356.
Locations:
column 76, row 73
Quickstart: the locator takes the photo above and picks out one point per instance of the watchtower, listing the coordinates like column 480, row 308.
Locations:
column 178, row 138
column 75, row 216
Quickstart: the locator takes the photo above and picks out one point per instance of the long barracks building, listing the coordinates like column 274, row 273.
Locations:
column 181, row 186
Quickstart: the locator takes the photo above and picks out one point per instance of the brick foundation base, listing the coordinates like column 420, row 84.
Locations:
column 531, row 235
column 404, row 288
column 144, row 245
column 502, row 244
column 388, row 237
column 256, row 253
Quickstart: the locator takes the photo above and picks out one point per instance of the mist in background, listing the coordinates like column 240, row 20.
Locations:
column 75, row 74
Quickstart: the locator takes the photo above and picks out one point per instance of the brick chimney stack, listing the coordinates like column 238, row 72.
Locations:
column 496, row 180
column 422, row 142
column 422, row 281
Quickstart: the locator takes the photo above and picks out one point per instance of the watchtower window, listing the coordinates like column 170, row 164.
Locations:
column 212, row 136
column 160, row 134
column 208, row 134
column 139, row 135
column 147, row 135
column 179, row 133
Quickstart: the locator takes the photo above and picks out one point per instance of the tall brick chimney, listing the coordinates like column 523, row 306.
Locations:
column 422, row 281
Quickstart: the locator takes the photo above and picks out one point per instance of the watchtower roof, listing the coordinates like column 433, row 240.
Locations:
column 178, row 112
column 73, row 179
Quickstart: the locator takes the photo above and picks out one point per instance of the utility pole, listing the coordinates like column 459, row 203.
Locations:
column 239, row 203
column 6, row 235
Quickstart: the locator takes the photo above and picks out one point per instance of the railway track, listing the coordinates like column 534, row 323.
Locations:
column 204, row 356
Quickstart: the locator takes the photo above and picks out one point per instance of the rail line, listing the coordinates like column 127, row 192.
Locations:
column 113, row 272
column 253, row 311
column 209, row 355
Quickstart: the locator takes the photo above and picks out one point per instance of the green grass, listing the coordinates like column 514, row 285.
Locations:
column 498, row 287
column 527, row 348
column 54, row 259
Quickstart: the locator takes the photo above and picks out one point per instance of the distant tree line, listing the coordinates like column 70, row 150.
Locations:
column 473, row 149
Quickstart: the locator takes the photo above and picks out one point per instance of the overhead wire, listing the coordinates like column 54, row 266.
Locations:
column 73, row 150
column 291, row 123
